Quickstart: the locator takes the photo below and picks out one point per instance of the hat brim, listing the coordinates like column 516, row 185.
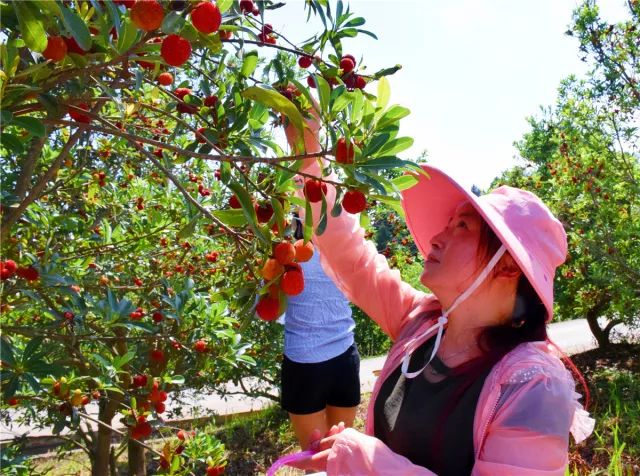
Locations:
column 430, row 204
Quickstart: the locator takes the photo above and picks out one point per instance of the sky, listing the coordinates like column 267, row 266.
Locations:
column 472, row 71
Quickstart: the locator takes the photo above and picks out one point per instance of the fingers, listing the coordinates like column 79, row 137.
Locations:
column 317, row 462
column 314, row 439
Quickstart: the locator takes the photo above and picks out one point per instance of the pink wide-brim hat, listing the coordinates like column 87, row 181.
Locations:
column 534, row 237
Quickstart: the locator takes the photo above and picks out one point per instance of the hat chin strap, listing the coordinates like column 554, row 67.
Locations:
column 444, row 318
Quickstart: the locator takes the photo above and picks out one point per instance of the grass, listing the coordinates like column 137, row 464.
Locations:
column 254, row 442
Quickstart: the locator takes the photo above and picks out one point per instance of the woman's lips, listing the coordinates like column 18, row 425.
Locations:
column 432, row 259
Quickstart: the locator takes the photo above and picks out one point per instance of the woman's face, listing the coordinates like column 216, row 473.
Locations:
column 453, row 261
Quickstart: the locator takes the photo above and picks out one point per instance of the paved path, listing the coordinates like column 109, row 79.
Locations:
column 570, row 336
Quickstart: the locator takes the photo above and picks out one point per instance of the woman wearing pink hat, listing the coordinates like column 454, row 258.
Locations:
column 471, row 384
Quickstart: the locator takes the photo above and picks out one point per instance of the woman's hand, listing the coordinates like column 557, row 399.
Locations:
column 322, row 446
column 311, row 132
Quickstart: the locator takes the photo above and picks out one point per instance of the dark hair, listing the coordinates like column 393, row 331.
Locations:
column 298, row 232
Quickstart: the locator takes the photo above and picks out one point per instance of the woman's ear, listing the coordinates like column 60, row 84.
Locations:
column 507, row 268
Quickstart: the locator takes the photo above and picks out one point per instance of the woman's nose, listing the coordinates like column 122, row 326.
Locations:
column 437, row 240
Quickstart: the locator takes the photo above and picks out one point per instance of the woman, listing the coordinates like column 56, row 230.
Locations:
column 321, row 365
column 471, row 385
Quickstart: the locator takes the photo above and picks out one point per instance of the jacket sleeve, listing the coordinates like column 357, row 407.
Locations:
column 356, row 267
column 355, row 453
column 529, row 434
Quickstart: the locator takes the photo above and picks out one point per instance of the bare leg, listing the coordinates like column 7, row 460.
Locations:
column 337, row 414
column 303, row 425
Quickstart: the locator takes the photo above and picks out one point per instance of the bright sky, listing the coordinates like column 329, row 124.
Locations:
column 472, row 70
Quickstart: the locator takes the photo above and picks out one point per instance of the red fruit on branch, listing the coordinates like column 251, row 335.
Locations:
column 78, row 116
column 284, row 252
column 157, row 317
column 246, row 6
column 304, row 251
column 200, row 346
column 29, row 273
column 175, row 50
column 354, row 201
column 211, row 257
column 206, row 17
column 264, row 212
column 311, row 82
column 147, row 14
column 271, row 269
column 305, row 61
column 347, row 64
column 13, row 401
column 344, row 151
column 314, row 190
column 7, row 269
column 292, row 283
column 268, row 308
column 267, row 29
column 160, row 407
column 182, row 435
column 225, row 34
column 234, row 202
column 360, row 82
column 215, row 470
column 165, row 79
column 73, row 46
column 56, row 49
column 200, row 137
column 156, row 355
column 211, row 101
column 68, row 315
column 140, row 380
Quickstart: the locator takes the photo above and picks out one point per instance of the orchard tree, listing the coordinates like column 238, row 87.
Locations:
column 583, row 158
column 147, row 201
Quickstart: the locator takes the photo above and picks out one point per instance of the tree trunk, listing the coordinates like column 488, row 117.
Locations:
column 102, row 451
column 601, row 335
column 137, row 460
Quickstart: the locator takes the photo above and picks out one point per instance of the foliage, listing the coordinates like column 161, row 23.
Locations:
column 138, row 224
column 582, row 157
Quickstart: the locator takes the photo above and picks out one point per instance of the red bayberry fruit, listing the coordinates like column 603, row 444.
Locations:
column 165, row 79
column 182, row 435
column 268, row 308
column 56, row 49
column 284, row 253
column 347, row 64
column 354, row 201
column 160, row 407
column 29, row 273
column 267, row 29
column 68, row 315
column 206, row 17
column 78, row 116
column 147, row 14
column 157, row 316
column 215, row 470
column 314, row 189
column 7, row 269
column 264, row 212
column 304, row 251
column 292, row 283
column 175, row 50
column 211, row 101
column 140, row 380
column 234, row 202
column 305, row 61
column 311, row 82
column 156, row 355
column 73, row 46
column 344, row 151
column 246, row 6
column 360, row 82
column 13, row 401
column 200, row 346
column 182, row 92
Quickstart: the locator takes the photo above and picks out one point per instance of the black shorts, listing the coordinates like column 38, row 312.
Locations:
column 309, row 388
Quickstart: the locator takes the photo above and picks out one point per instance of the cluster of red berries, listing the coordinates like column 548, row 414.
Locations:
column 267, row 36
column 247, row 6
column 137, row 314
column 9, row 268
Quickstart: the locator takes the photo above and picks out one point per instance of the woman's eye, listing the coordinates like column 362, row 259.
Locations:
column 462, row 224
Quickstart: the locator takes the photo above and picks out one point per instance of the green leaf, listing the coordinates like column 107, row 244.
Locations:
column 324, row 92
column 308, row 219
column 12, row 143
column 233, row 218
column 77, row 27
column 396, row 146
column 249, row 64
column 384, row 92
column 6, row 352
column 277, row 101
column 189, row 229
column 384, row 163
column 322, row 223
column 249, row 212
column 175, row 379
column 172, row 23
column 278, row 211
column 48, row 7
column 128, row 36
column 224, row 5
column 33, row 33
column 404, row 181
column 31, row 124
column 394, row 114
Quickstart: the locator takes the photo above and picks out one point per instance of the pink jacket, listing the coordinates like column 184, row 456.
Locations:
column 526, row 408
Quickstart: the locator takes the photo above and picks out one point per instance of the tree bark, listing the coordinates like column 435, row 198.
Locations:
column 101, row 464
column 137, row 459
column 601, row 335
